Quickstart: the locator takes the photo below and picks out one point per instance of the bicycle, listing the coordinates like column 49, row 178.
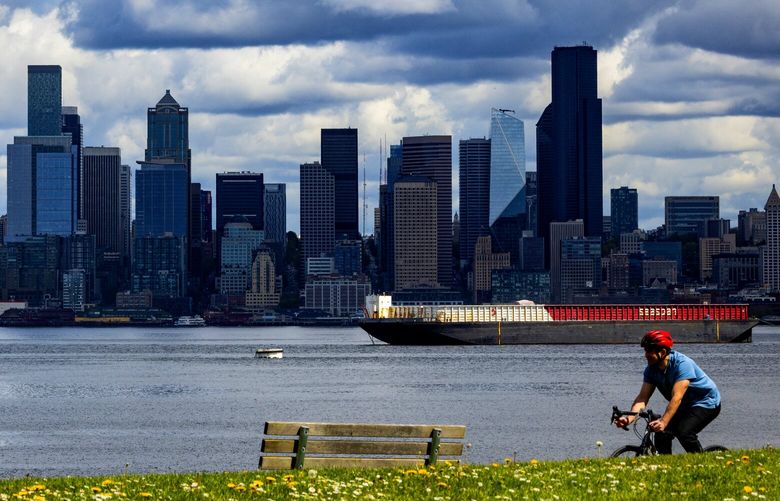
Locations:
column 647, row 445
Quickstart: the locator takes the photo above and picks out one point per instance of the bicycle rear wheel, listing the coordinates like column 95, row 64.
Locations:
column 627, row 451
column 715, row 448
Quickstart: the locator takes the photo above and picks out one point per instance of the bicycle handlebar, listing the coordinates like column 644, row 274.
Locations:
column 645, row 413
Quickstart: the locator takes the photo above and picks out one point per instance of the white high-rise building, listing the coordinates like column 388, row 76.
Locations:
column 771, row 256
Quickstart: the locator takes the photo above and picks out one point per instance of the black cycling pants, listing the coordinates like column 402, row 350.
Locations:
column 685, row 426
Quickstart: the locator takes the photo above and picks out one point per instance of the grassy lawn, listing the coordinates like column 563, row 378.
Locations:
column 736, row 475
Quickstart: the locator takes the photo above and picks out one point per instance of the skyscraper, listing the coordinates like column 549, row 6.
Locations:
column 275, row 212
column 239, row 194
column 689, row 215
column 507, row 181
column 569, row 147
column 102, row 197
column 560, row 231
column 771, row 254
column 167, row 134
column 415, row 224
column 162, row 200
column 474, row 173
column 71, row 124
column 125, row 216
column 623, row 210
column 431, row 157
column 317, row 210
column 339, row 156
column 44, row 100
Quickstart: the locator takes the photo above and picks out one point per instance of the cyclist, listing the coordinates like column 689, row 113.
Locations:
column 694, row 400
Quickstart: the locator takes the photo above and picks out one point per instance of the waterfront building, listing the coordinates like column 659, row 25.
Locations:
column 348, row 257
column 416, row 219
column 134, row 300
column 751, row 227
column 431, row 157
column 30, row 269
column 580, row 266
column 337, row 296
column 558, row 232
column 509, row 286
column 736, row 270
column 709, row 247
column 485, row 261
column 323, row 265
column 159, row 265
column 240, row 243
column 74, row 290
column 263, row 292
column 339, row 157
column 771, row 253
column 474, row 175
column 624, row 210
column 507, row 181
column 102, row 197
column 569, row 145
column 655, row 270
column 79, row 253
column 688, row 214
column 317, row 210
column 44, row 100
column 664, row 251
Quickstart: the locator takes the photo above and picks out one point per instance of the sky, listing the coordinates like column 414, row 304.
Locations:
column 690, row 88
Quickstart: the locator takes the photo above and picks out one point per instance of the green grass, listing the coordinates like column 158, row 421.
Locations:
column 733, row 475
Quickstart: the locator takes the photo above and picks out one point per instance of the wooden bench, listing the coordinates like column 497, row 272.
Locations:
column 295, row 445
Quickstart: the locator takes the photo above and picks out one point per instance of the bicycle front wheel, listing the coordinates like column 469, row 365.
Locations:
column 715, row 448
column 627, row 451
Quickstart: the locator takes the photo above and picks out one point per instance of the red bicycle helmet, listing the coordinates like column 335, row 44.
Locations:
column 659, row 339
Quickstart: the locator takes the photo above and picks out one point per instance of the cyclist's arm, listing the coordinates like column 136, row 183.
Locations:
column 640, row 402
column 678, row 390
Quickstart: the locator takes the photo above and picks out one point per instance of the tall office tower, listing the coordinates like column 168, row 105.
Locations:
column 771, row 255
column 485, row 261
column 239, row 194
column 263, row 292
column 44, row 100
column 41, row 187
column 102, row 197
column 531, row 204
column 431, row 157
column 507, row 181
column 386, row 245
column 751, row 227
column 240, row 242
column 125, row 216
column 196, row 214
column 624, row 213
column 167, row 134
column 79, row 253
column 569, row 149
column 580, row 266
column 161, row 200
column 474, row 159
column 688, row 215
column 3, row 227
column 415, row 204
column 347, row 257
column 205, row 217
column 339, row 156
column 275, row 212
column 560, row 231
column 71, row 124
column 317, row 211
column 394, row 163
column 159, row 265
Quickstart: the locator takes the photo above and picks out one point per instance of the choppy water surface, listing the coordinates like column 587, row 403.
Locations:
column 92, row 401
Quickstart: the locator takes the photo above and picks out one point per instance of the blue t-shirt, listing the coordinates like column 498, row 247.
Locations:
column 701, row 391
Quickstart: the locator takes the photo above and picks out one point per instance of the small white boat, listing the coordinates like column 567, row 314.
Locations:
column 196, row 321
column 269, row 353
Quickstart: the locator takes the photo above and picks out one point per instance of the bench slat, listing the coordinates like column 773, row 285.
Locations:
column 286, row 463
column 360, row 447
column 364, row 429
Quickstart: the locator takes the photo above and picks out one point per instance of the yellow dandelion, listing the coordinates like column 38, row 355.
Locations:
column 534, row 461
column 747, row 489
column 495, row 465
column 410, row 472
column 508, row 461
column 39, row 498
column 442, row 485
column 145, row 494
column 36, row 487
column 422, row 471
column 231, row 485
column 107, row 482
column 256, row 483
column 97, row 489
column 745, row 459
column 240, row 488
column 729, row 462
column 270, row 480
column 288, row 478
column 21, row 493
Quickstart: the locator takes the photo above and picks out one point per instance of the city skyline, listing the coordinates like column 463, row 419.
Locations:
column 681, row 103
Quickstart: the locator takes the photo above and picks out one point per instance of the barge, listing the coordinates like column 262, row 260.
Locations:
column 528, row 323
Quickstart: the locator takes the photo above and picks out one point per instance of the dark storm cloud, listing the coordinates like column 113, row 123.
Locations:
column 747, row 29
column 490, row 28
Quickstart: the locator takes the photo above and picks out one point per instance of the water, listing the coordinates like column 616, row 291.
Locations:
column 104, row 401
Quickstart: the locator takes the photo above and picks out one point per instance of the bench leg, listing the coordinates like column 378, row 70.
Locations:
column 300, row 447
column 433, row 447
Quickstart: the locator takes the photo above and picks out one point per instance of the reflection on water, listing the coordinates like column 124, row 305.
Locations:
column 90, row 401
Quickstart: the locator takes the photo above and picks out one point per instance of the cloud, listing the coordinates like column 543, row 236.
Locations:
column 392, row 8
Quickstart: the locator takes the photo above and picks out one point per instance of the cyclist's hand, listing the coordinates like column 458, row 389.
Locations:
column 622, row 422
column 657, row 426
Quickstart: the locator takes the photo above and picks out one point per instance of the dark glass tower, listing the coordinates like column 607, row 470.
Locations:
column 339, row 156
column 44, row 100
column 569, row 150
column 431, row 157
column 624, row 203
column 474, row 155
column 239, row 194
column 71, row 124
column 167, row 134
